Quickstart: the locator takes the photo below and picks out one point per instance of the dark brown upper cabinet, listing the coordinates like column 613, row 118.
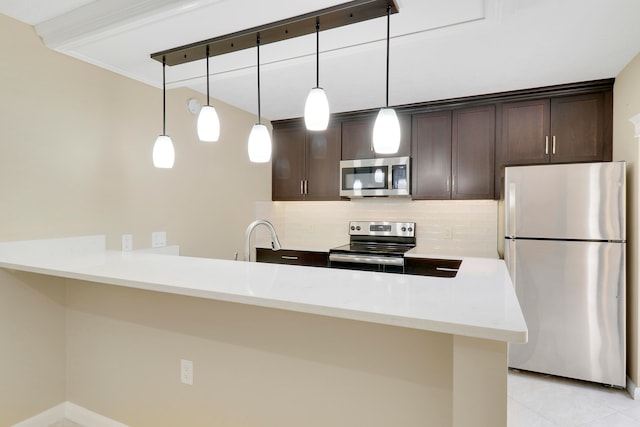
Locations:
column 357, row 137
column 454, row 154
column 563, row 129
column 473, row 145
column 458, row 147
column 305, row 164
column 431, row 160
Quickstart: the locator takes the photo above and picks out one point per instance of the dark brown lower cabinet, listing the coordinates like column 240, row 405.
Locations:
column 291, row 257
column 432, row 266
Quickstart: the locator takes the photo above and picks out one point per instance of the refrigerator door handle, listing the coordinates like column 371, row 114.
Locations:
column 510, row 259
column 510, row 220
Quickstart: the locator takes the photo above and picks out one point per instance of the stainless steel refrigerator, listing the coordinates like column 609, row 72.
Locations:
column 565, row 251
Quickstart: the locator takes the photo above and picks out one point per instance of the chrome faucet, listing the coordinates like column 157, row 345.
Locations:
column 275, row 243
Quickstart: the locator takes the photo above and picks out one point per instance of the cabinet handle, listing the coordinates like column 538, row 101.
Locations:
column 448, row 184
column 546, row 144
column 301, row 186
column 553, row 145
column 453, row 184
column 289, row 257
column 306, row 186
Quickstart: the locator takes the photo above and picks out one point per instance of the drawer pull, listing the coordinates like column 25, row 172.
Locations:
column 289, row 257
column 446, row 269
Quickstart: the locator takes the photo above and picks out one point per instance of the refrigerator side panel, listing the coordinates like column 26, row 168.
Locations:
column 583, row 201
column 572, row 295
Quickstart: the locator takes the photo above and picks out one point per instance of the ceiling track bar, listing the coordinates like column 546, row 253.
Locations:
column 332, row 17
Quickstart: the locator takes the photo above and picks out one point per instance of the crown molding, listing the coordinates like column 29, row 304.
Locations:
column 104, row 18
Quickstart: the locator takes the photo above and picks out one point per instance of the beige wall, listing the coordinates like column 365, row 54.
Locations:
column 32, row 345
column 75, row 159
column 253, row 367
column 626, row 98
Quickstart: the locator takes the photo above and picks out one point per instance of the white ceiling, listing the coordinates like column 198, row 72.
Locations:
column 439, row 49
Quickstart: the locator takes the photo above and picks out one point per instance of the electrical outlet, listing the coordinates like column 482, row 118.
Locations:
column 158, row 239
column 127, row 242
column 186, row 372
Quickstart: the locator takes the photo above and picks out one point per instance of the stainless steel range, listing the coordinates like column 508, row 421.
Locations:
column 375, row 246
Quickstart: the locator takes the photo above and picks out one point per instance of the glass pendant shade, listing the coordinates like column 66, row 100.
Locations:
column 259, row 144
column 163, row 153
column 386, row 132
column 208, row 124
column 316, row 110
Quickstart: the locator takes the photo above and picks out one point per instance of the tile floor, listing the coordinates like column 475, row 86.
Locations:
column 537, row 400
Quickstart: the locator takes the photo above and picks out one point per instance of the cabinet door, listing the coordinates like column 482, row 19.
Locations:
column 431, row 162
column 405, row 136
column 525, row 132
column 577, row 128
column 357, row 138
column 292, row 257
column 473, row 152
column 323, row 164
column 288, row 163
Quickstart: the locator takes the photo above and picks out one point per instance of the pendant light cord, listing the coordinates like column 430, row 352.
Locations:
column 258, row 49
column 317, row 52
column 164, row 97
column 207, row 74
column 388, row 27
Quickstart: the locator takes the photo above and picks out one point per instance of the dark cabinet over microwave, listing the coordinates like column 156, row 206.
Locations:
column 357, row 137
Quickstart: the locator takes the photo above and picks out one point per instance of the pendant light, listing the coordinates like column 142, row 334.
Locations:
column 259, row 146
column 316, row 109
column 208, row 121
column 386, row 131
column 163, row 153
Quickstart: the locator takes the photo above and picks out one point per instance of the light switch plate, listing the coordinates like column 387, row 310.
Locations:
column 127, row 242
column 158, row 239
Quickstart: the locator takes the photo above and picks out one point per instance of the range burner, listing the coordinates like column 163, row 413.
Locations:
column 375, row 245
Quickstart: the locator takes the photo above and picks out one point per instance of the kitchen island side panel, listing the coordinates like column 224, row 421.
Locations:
column 253, row 366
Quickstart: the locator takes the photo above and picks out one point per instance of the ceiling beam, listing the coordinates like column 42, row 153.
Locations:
column 331, row 17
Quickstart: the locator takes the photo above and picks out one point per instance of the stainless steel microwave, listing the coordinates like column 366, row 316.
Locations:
column 375, row 177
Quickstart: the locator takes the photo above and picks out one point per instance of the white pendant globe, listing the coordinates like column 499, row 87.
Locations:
column 163, row 153
column 259, row 144
column 386, row 132
column 208, row 124
column 316, row 110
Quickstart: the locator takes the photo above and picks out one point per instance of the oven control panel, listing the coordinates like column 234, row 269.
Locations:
column 382, row 228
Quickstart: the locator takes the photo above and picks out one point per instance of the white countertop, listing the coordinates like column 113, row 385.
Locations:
column 479, row 302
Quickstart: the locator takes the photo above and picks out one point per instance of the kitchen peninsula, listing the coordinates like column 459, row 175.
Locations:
column 310, row 346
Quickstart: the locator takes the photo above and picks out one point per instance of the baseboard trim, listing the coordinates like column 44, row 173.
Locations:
column 633, row 389
column 45, row 418
column 72, row 412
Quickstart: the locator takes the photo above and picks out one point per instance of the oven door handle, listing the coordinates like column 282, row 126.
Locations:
column 367, row 259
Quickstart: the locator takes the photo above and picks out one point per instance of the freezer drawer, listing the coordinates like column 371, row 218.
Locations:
column 572, row 296
column 583, row 201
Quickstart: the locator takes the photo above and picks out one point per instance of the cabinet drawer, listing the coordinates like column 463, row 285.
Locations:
column 286, row 256
column 432, row 267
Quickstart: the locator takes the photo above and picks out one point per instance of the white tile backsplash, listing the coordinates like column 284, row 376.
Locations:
column 441, row 224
